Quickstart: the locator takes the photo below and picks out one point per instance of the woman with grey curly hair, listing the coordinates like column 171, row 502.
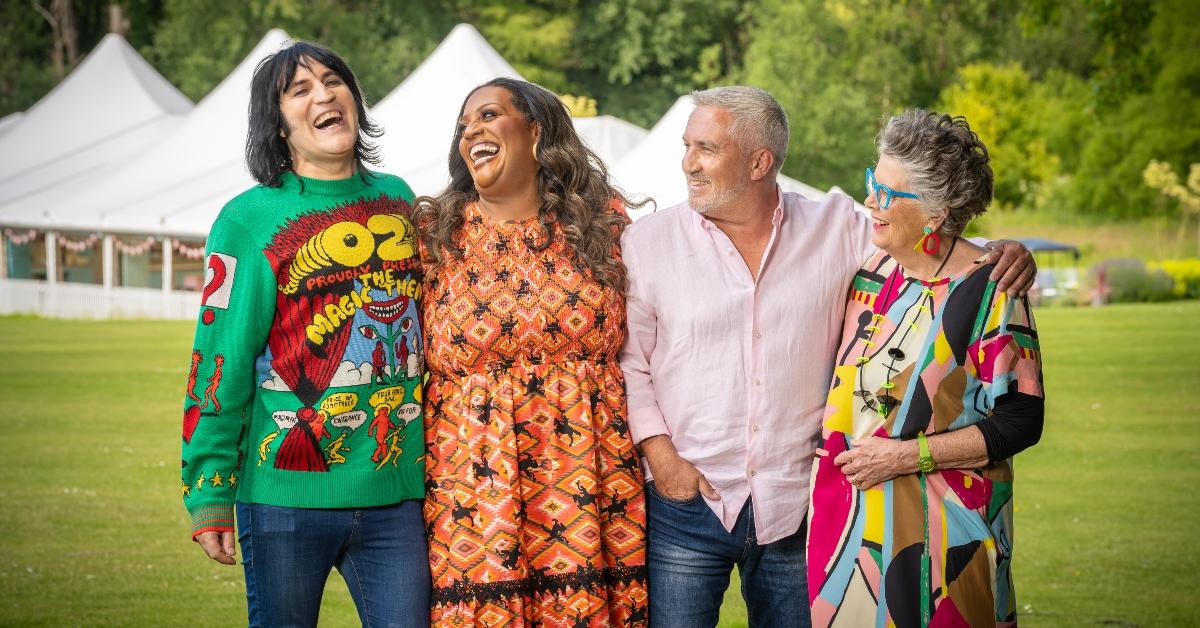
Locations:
column 937, row 385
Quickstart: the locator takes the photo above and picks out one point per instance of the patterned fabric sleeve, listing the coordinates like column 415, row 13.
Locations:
column 235, row 315
column 1005, row 354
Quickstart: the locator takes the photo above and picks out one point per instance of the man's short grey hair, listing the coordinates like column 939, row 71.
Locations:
column 758, row 120
column 946, row 163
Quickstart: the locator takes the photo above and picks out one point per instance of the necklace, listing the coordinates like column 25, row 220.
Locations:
column 885, row 403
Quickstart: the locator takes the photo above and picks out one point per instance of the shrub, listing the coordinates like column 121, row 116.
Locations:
column 1185, row 273
column 1129, row 280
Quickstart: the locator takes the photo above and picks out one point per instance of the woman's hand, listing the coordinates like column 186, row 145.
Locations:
column 873, row 460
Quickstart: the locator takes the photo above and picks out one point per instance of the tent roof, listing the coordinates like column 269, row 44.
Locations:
column 179, row 184
column 170, row 174
column 652, row 167
column 10, row 120
column 112, row 105
column 609, row 137
column 418, row 117
column 1039, row 244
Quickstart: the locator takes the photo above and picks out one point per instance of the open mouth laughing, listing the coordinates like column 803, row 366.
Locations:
column 483, row 152
column 328, row 120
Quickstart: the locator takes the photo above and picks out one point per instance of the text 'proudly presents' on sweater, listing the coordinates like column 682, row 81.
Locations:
column 305, row 380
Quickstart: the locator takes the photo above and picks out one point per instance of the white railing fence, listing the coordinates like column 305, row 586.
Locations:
column 75, row 300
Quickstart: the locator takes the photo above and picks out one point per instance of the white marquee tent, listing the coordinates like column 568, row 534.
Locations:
column 610, row 137
column 178, row 185
column 111, row 107
column 418, row 117
column 162, row 190
column 123, row 156
column 9, row 121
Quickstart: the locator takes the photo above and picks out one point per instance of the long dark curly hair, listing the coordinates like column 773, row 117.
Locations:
column 572, row 182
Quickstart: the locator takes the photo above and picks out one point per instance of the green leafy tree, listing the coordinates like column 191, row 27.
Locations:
column 1124, row 60
column 637, row 56
column 382, row 41
column 25, row 41
column 840, row 66
column 836, row 67
column 1049, row 36
column 534, row 37
column 1155, row 123
column 1161, row 177
column 1005, row 108
column 26, row 44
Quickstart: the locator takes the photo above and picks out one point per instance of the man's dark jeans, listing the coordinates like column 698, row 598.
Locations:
column 690, row 556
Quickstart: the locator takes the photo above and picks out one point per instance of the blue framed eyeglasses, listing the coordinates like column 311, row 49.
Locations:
column 883, row 194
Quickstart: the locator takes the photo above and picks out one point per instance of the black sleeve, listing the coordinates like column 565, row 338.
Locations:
column 1015, row 424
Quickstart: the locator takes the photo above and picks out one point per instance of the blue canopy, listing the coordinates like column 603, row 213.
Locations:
column 1038, row 244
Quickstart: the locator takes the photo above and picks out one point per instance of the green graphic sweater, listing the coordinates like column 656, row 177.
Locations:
column 305, row 381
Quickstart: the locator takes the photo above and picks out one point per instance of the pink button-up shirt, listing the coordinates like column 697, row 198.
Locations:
column 734, row 370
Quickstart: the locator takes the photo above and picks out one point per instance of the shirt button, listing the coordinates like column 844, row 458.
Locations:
column 758, row 334
column 754, row 427
column 753, row 473
column 756, row 382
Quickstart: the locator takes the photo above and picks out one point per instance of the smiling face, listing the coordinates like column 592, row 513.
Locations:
column 717, row 168
column 901, row 225
column 497, row 142
column 320, row 120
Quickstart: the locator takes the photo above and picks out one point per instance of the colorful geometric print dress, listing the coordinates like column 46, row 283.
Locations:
column 534, row 499
column 937, row 355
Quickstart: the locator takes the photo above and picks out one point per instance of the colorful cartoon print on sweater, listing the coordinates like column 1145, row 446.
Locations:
column 308, row 353
column 335, row 281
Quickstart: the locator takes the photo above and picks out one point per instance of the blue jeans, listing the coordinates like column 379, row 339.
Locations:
column 690, row 556
column 381, row 553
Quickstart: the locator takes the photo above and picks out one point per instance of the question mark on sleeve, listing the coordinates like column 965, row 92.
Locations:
column 217, row 275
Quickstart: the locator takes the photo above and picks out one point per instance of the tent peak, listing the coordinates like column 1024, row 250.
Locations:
column 235, row 82
column 275, row 34
column 463, row 28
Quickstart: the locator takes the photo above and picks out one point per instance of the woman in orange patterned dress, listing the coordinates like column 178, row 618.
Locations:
column 534, row 495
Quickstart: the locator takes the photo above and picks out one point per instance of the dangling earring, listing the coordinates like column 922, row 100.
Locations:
column 535, row 158
column 929, row 243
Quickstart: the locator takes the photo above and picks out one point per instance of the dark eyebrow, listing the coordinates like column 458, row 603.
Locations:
column 477, row 109
column 294, row 83
column 323, row 77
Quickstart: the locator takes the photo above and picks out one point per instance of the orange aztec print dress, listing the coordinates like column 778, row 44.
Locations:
column 534, row 495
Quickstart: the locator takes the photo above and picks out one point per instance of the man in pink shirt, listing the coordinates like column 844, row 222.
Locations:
column 735, row 306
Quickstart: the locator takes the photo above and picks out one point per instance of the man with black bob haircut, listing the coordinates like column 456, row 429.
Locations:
column 293, row 416
column 268, row 151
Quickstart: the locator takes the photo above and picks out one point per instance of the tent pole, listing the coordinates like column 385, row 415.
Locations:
column 51, row 302
column 3, row 256
column 107, row 252
column 108, row 262
column 167, row 273
column 51, row 257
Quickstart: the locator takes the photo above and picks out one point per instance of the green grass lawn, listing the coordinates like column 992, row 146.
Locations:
column 94, row 533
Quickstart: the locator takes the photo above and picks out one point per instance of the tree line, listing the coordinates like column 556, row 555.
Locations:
column 1074, row 97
